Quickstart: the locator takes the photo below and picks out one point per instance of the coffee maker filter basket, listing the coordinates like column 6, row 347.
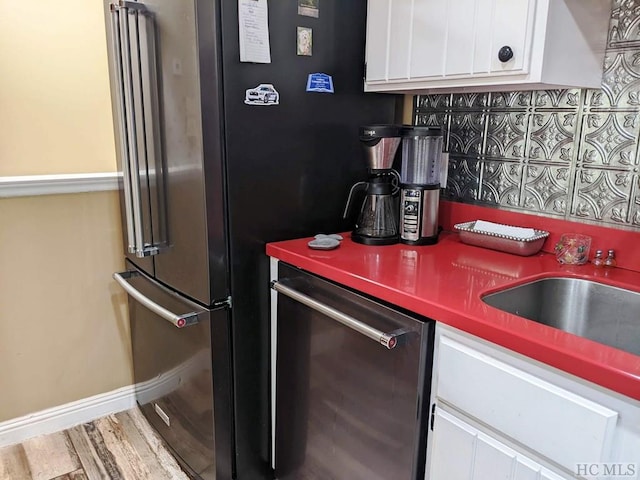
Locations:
column 380, row 144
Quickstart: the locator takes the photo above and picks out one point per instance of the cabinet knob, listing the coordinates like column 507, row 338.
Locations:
column 505, row 54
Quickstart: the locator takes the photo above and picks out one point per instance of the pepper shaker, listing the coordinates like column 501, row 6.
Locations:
column 598, row 261
column 610, row 261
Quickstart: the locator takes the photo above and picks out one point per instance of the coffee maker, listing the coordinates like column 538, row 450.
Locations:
column 423, row 173
column 377, row 222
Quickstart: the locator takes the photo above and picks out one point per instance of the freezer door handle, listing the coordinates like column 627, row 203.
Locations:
column 389, row 340
column 178, row 320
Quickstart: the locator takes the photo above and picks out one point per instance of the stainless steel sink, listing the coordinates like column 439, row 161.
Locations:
column 602, row 313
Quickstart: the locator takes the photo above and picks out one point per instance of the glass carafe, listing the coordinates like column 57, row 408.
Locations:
column 378, row 217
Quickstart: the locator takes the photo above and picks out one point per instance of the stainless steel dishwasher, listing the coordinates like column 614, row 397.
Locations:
column 350, row 383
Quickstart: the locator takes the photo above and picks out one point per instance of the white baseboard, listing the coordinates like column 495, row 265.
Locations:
column 66, row 416
column 69, row 415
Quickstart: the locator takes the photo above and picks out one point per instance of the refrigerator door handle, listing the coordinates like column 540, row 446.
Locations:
column 133, row 164
column 150, row 109
column 178, row 320
column 389, row 340
column 126, row 17
column 122, row 123
column 132, row 5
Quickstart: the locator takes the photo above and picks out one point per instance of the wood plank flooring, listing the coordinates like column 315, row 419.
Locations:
column 117, row 447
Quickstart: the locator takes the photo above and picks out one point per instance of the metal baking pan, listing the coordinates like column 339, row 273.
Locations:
column 503, row 243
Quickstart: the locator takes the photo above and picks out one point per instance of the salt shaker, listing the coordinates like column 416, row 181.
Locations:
column 598, row 261
column 610, row 261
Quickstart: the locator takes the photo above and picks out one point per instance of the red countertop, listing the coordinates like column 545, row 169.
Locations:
column 445, row 282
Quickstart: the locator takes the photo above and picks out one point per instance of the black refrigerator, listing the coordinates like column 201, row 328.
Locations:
column 219, row 156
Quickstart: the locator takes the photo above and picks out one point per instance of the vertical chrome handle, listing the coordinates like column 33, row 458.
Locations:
column 122, row 125
column 150, row 118
column 125, row 16
column 134, row 164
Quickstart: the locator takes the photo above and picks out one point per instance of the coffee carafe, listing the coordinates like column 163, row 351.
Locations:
column 377, row 222
column 423, row 173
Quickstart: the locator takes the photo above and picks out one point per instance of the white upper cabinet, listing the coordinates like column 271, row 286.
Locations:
column 443, row 45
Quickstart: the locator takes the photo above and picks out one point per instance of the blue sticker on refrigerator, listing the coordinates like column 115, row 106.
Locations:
column 320, row 82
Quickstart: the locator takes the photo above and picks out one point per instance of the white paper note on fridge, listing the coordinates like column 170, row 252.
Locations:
column 253, row 23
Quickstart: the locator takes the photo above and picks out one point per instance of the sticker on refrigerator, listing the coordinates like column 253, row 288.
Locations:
column 320, row 82
column 263, row 94
column 309, row 8
column 304, row 41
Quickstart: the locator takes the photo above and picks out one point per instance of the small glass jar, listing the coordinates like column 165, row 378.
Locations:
column 573, row 249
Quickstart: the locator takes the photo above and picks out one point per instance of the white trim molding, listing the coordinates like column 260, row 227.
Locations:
column 85, row 410
column 65, row 416
column 21, row 186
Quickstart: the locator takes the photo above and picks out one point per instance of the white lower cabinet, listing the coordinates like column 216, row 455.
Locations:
column 497, row 415
column 551, row 420
column 462, row 452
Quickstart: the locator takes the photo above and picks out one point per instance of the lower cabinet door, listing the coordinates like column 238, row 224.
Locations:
column 557, row 424
column 462, row 452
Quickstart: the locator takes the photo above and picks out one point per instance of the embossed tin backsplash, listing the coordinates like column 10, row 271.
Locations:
column 571, row 154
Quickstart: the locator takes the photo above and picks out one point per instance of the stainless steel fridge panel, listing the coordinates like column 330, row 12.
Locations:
column 184, row 264
column 158, row 118
column 174, row 374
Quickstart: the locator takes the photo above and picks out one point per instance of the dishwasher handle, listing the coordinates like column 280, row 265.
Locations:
column 178, row 320
column 389, row 340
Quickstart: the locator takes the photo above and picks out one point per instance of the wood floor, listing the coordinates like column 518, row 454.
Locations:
column 117, row 447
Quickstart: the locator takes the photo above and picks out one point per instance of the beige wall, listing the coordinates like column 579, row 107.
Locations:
column 63, row 327
column 54, row 89
column 63, row 322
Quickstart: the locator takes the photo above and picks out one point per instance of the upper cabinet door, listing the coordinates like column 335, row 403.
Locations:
column 429, row 45
column 394, row 27
column 460, row 36
column 510, row 31
column 377, row 38
column 400, row 15
column 502, row 36
column 465, row 37
column 428, row 38
column 431, row 38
